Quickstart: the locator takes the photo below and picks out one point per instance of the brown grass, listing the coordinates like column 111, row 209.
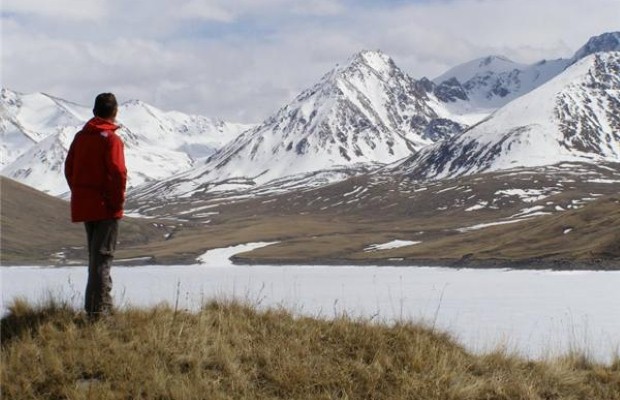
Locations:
column 35, row 226
column 233, row 351
column 33, row 231
column 593, row 236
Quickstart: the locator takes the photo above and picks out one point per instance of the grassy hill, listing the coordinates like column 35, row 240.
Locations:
column 232, row 351
column 37, row 228
column 553, row 217
column 34, row 225
column 587, row 237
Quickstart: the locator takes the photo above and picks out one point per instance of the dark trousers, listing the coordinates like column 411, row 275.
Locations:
column 101, row 236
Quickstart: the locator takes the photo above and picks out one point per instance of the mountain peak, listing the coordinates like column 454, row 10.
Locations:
column 371, row 57
column 134, row 102
column 486, row 61
column 483, row 66
column 608, row 41
column 374, row 60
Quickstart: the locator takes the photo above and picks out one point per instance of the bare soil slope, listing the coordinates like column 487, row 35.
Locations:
column 37, row 228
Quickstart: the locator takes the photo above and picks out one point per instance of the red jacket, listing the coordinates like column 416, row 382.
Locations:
column 96, row 173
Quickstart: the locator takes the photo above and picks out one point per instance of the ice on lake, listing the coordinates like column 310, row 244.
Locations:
column 535, row 313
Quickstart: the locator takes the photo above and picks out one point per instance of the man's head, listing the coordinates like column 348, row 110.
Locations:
column 106, row 106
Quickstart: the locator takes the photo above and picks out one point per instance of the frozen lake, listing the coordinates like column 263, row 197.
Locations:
column 535, row 313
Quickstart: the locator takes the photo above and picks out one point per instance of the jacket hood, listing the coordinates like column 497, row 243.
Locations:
column 97, row 124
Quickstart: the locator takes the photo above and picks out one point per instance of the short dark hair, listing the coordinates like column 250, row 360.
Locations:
column 105, row 105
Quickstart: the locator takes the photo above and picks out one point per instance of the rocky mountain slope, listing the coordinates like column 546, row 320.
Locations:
column 359, row 116
column 368, row 112
column 609, row 41
column 493, row 81
column 26, row 119
column 365, row 112
column 573, row 117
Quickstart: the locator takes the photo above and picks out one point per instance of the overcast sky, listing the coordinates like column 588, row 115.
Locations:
column 241, row 60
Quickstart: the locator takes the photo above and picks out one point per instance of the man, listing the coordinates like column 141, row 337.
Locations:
column 96, row 174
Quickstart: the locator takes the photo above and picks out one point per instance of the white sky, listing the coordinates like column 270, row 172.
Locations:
column 241, row 60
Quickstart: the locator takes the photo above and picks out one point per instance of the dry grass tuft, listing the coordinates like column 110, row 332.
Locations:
column 232, row 351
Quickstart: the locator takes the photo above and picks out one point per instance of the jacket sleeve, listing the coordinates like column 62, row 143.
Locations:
column 69, row 166
column 117, row 173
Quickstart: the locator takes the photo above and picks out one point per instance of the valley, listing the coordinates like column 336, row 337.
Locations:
column 469, row 221
column 562, row 217
column 366, row 167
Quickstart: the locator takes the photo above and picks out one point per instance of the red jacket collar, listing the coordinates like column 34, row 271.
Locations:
column 100, row 125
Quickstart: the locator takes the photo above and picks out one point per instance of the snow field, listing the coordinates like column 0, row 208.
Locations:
column 535, row 313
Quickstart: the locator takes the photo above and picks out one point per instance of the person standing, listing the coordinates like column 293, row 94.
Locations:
column 96, row 173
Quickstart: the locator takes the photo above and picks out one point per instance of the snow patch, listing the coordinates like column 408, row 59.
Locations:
column 479, row 206
column 394, row 244
column 601, row 180
column 527, row 195
column 222, row 256
column 488, row 224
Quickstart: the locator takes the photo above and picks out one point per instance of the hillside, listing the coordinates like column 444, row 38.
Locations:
column 39, row 231
column 234, row 351
column 560, row 216
column 335, row 223
column 537, row 236
column 35, row 229
column 587, row 237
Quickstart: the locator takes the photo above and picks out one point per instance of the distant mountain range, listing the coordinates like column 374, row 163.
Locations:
column 369, row 112
column 488, row 165
column 365, row 112
column 37, row 130
column 573, row 117
column 484, row 115
column 494, row 81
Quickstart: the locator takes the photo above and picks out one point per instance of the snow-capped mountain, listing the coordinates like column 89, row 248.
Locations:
column 491, row 82
column 26, row 119
column 366, row 111
column 197, row 136
column 37, row 130
column 494, row 81
column 573, row 117
column 609, row 41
